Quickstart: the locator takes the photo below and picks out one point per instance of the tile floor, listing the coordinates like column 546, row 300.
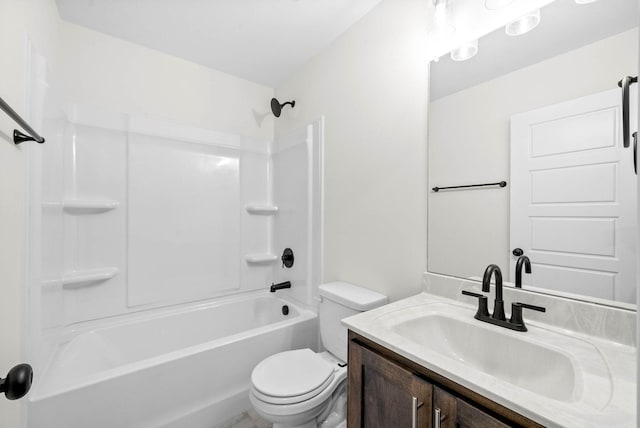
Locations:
column 248, row 419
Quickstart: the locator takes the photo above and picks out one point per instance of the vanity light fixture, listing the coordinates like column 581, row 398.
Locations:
column 496, row 4
column 441, row 28
column 440, row 13
column 465, row 51
column 524, row 24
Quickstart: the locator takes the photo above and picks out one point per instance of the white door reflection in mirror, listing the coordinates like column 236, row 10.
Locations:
column 573, row 197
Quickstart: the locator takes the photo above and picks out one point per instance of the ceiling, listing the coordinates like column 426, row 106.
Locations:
column 564, row 26
column 260, row 40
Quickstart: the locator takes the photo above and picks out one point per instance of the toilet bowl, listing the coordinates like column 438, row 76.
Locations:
column 295, row 388
column 305, row 389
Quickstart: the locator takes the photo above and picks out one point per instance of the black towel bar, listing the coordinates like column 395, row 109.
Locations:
column 500, row 183
column 20, row 137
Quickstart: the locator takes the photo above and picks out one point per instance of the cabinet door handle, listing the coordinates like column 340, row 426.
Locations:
column 414, row 411
column 437, row 418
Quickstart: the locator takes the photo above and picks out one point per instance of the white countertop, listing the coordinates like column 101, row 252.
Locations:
column 617, row 400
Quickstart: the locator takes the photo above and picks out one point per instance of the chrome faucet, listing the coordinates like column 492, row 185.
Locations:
column 516, row 322
column 522, row 260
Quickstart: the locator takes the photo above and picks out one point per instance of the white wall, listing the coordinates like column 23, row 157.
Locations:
column 116, row 75
column 370, row 86
column 469, row 142
column 19, row 20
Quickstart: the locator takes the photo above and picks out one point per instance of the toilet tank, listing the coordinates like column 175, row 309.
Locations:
column 340, row 300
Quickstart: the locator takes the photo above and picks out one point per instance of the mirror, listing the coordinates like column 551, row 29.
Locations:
column 541, row 111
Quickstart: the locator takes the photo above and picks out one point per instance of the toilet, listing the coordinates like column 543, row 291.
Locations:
column 305, row 389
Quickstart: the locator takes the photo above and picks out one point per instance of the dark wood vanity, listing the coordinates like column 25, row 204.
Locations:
column 386, row 390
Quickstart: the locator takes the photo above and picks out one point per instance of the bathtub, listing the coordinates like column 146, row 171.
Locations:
column 180, row 368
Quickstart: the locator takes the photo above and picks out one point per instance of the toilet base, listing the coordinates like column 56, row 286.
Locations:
column 335, row 416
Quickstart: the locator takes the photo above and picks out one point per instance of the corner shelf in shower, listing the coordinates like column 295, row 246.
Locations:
column 261, row 259
column 78, row 207
column 83, row 278
column 261, row 209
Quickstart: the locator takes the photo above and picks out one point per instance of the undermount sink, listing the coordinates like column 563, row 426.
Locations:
column 536, row 361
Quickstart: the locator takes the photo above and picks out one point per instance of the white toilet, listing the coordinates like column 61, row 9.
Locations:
column 304, row 389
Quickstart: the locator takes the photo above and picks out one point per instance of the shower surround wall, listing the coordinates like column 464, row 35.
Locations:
column 150, row 214
column 140, row 216
column 297, row 192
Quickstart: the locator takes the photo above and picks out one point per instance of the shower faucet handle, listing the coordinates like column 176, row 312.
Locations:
column 287, row 258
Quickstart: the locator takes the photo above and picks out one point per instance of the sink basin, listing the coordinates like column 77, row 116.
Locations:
column 528, row 365
column 539, row 361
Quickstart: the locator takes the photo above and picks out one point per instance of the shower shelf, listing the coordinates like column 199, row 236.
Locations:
column 264, row 209
column 83, row 278
column 79, row 206
column 261, row 259
column 75, row 206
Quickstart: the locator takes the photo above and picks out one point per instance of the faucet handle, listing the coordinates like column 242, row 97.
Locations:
column 516, row 313
column 472, row 294
column 528, row 306
column 483, row 308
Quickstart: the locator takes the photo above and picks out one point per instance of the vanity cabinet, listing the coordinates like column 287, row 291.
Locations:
column 457, row 413
column 386, row 390
column 386, row 394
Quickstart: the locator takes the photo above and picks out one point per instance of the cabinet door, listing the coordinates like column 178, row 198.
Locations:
column 457, row 413
column 385, row 395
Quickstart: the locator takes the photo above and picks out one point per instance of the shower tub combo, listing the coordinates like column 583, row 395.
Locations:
column 141, row 230
column 170, row 368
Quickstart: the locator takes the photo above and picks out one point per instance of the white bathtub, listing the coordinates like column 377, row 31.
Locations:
column 181, row 368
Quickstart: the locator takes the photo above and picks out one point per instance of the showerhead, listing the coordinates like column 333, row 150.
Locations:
column 276, row 107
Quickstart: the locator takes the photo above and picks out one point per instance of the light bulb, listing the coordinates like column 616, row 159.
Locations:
column 465, row 51
column 441, row 29
column 524, row 24
column 440, row 14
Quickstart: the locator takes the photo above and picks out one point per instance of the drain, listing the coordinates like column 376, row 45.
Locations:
column 285, row 310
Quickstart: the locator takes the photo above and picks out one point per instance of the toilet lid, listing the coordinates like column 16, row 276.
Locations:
column 291, row 374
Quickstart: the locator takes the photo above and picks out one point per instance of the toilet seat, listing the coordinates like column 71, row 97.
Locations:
column 291, row 377
column 308, row 408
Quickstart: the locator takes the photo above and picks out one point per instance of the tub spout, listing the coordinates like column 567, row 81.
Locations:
column 280, row 286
